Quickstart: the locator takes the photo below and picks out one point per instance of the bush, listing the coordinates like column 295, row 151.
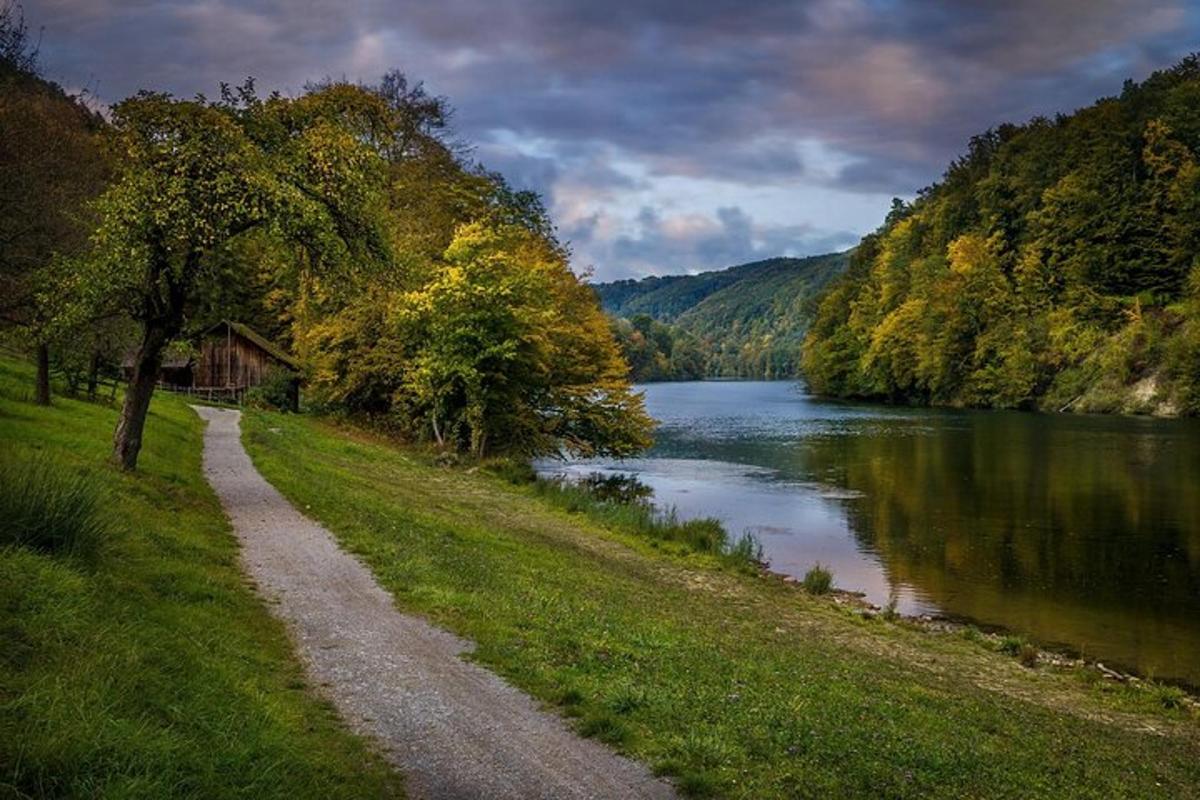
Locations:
column 279, row 390
column 1028, row 656
column 46, row 507
column 623, row 505
column 516, row 471
column 1011, row 645
column 1170, row 697
column 818, row 580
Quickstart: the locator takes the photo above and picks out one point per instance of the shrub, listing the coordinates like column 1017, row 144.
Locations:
column 279, row 390
column 1170, row 697
column 1028, row 655
column 516, row 471
column 46, row 507
column 746, row 550
column 624, row 505
column 1011, row 645
column 889, row 611
column 818, row 580
column 972, row 634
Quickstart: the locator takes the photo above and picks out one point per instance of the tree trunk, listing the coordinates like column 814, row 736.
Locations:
column 43, row 375
column 127, row 440
column 437, row 433
column 93, row 378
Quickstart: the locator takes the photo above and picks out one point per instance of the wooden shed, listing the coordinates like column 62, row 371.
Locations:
column 233, row 358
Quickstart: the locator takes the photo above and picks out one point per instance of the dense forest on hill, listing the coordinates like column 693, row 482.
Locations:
column 747, row 321
column 1054, row 266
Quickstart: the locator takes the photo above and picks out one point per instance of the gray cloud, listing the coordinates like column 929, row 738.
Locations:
column 600, row 103
column 703, row 241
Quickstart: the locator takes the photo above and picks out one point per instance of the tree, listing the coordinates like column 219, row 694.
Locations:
column 196, row 176
column 52, row 163
column 511, row 353
column 17, row 52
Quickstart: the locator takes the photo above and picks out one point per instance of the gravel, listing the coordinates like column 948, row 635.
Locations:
column 451, row 727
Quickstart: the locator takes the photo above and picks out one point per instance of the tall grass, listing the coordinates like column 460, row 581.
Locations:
column 620, row 503
column 818, row 579
column 45, row 506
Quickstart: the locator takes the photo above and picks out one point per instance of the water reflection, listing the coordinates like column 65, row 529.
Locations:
column 1083, row 531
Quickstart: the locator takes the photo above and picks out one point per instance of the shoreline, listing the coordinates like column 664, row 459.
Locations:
column 992, row 636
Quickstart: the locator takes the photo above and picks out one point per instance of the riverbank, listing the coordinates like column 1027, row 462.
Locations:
column 1081, row 532
column 734, row 684
column 150, row 667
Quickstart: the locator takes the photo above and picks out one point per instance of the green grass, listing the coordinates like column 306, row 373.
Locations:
column 150, row 670
column 46, row 506
column 735, row 684
column 614, row 505
column 818, row 580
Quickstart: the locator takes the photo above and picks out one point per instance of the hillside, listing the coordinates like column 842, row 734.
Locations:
column 1056, row 265
column 744, row 321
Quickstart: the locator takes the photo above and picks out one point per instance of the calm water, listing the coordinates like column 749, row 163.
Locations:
column 1074, row 530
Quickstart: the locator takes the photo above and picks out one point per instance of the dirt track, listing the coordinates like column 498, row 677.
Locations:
column 453, row 729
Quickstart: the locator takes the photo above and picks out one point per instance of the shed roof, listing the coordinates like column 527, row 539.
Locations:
column 246, row 332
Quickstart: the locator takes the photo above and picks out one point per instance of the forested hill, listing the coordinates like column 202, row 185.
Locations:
column 745, row 321
column 1055, row 266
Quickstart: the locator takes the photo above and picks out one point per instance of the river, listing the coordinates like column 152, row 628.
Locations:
column 1076, row 531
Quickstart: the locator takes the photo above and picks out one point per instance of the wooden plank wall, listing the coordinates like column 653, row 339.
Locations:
column 231, row 362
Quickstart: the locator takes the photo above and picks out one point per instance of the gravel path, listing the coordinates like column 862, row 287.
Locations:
column 454, row 729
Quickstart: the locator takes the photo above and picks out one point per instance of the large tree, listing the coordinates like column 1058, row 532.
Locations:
column 511, row 352
column 197, row 176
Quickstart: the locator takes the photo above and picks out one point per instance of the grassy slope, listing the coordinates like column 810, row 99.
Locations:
column 153, row 671
column 740, row 685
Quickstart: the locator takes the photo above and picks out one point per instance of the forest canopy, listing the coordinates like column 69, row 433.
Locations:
column 1056, row 265
column 746, row 321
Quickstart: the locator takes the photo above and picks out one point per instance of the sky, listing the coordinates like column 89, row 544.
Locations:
column 666, row 136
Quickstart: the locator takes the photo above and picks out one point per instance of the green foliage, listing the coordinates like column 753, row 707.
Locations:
column 195, row 175
column 1012, row 645
column 624, row 507
column 1049, row 268
column 656, row 351
column 746, row 321
column 278, row 391
column 498, row 349
column 818, row 580
column 50, row 508
column 419, row 288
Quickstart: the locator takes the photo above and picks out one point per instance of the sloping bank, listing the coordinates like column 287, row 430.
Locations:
column 145, row 665
column 735, row 684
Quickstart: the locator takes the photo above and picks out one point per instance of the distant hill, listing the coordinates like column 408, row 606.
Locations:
column 745, row 321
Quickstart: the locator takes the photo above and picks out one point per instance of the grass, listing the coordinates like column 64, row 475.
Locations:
column 47, row 506
column 818, row 580
column 734, row 683
column 619, row 503
column 148, row 669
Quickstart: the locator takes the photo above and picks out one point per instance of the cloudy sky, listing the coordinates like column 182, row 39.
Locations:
column 666, row 135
